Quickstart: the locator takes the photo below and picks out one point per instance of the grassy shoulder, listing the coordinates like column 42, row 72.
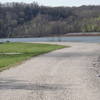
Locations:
column 14, row 53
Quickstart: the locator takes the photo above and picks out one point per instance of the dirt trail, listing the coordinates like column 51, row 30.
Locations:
column 66, row 74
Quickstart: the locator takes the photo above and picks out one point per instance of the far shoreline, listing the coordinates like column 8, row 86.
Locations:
column 60, row 35
column 82, row 35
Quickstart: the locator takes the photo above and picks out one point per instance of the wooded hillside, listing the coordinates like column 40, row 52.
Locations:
column 32, row 20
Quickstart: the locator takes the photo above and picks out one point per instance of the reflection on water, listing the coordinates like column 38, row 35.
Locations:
column 90, row 39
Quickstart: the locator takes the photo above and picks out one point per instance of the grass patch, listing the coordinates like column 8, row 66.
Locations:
column 14, row 53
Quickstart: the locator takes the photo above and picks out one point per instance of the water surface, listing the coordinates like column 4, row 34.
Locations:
column 89, row 39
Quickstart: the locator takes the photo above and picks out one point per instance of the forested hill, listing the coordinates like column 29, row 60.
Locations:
column 32, row 20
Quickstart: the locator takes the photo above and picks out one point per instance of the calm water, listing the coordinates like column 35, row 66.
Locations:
column 90, row 39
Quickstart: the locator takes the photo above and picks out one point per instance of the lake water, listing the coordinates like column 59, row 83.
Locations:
column 90, row 39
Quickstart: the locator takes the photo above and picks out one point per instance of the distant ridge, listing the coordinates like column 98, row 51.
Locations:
column 33, row 20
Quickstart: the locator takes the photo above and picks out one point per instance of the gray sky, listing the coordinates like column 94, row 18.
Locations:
column 59, row 2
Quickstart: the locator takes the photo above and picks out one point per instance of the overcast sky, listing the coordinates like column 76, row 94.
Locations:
column 59, row 2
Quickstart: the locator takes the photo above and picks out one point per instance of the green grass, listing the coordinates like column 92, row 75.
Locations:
column 25, row 50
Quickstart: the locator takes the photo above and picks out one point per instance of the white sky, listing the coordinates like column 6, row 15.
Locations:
column 58, row 2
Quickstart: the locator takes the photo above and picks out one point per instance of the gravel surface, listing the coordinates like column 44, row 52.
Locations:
column 65, row 74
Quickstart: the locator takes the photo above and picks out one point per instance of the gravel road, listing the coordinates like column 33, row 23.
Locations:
column 65, row 74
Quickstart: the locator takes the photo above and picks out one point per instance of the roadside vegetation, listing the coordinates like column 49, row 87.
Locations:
column 14, row 53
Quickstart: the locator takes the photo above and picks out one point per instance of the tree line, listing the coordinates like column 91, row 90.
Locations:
column 32, row 20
